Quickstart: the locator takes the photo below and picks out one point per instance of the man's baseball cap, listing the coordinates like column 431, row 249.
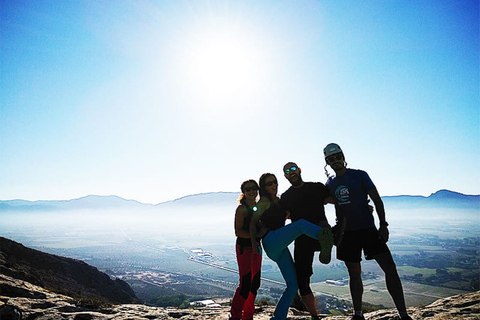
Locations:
column 331, row 148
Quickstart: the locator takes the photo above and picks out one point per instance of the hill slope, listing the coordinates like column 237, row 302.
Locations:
column 66, row 275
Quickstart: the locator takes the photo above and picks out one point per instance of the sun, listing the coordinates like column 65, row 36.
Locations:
column 220, row 62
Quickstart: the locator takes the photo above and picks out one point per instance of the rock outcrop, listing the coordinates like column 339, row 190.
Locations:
column 64, row 275
column 38, row 303
column 46, row 286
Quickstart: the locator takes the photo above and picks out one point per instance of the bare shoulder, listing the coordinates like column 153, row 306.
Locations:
column 263, row 203
column 241, row 210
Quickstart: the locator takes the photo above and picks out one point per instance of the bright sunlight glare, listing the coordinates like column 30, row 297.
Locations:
column 221, row 63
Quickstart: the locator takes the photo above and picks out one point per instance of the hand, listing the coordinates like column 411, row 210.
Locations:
column 383, row 233
column 370, row 207
column 256, row 247
column 261, row 232
column 338, row 231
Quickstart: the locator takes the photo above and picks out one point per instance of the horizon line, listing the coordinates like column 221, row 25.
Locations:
column 204, row 193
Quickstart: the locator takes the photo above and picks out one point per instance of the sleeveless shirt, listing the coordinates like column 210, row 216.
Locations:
column 274, row 217
column 246, row 242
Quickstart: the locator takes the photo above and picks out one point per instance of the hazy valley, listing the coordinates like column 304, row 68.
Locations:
column 186, row 247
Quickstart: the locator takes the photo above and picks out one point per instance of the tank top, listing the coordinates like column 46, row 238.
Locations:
column 246, row 242
column 274, row 217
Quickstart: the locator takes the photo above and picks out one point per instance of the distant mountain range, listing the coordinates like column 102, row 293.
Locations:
column 439, row 199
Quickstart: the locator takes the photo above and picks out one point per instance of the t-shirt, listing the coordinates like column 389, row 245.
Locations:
column 306, row 202
column 350, row 190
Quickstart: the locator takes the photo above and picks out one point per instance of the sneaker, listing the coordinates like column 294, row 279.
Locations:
column 357, row 318
column 326, row 243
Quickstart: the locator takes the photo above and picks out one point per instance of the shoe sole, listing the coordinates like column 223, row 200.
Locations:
column 326, row 242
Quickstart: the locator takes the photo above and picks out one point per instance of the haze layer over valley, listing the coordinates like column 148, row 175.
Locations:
column 187, row 245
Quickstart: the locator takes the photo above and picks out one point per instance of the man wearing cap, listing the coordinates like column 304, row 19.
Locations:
column 350, row 189
column 305, row 200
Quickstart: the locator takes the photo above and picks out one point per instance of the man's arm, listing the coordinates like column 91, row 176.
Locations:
column 379, row 207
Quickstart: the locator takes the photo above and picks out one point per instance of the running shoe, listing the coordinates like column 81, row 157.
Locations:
column 326, row 243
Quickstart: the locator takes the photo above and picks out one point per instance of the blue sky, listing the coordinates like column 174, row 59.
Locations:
column 155, row 100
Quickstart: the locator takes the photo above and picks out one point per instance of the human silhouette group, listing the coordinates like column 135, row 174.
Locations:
column 261, row 222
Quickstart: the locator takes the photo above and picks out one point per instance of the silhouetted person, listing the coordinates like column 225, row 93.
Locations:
column 306, row 200
column 357, row 231
column 271, row 216
column 249, row 262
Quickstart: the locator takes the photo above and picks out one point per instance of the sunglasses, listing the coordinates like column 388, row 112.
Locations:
column 334, row 157
column 248, row 189
column 291, row 169
column 270, row 183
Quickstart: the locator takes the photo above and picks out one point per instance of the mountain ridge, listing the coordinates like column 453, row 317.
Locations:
column 442, row 198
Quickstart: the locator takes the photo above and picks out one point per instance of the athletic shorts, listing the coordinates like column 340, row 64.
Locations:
column 353, row 242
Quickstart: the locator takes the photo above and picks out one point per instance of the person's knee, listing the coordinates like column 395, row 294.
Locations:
column 305, row 291
column 291, row 289
column 354, row 270
column 292, row 283
column 392, row 273
column 255, row 283
column 304, row 286
column 300, row 225
column 245, row 285
column 387, row 264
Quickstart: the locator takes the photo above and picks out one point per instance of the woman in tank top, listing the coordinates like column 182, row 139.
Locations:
column 271, row 216
column 249, row 262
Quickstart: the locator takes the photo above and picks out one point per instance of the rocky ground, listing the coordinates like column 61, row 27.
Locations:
column 40, row 304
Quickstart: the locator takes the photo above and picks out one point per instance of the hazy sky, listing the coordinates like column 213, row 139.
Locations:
column 155, row 100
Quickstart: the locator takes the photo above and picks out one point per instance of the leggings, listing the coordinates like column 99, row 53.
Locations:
column 275, row 244
column 249, row 265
